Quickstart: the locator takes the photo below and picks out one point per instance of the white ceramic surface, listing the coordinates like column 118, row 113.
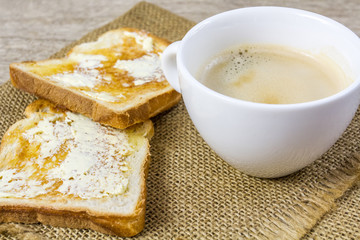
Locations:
column 265, row 140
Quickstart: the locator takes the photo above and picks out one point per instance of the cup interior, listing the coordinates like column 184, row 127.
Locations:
column 271, row 25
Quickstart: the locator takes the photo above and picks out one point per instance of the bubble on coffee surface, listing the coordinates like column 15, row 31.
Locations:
column 271, row 74
column 239, row 63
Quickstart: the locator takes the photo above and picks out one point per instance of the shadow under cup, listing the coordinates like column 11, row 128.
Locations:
column 268, row 140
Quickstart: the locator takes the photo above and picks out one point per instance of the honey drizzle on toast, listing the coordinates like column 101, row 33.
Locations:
column 97, row 72
column 64, row 154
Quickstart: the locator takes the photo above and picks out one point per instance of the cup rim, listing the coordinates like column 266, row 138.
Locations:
column 304, row 13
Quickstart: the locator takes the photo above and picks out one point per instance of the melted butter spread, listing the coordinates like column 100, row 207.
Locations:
column 110, row 69
column 65, row 154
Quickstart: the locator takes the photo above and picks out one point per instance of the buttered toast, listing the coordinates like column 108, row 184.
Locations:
column 116, row 80
column 63, row 169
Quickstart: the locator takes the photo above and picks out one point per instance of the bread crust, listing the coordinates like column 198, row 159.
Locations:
column 160, row 41
column 95, row 109
column 89, row 107
column 125, row 225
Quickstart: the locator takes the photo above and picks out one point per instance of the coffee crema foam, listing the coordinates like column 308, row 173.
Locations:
column 273, row 74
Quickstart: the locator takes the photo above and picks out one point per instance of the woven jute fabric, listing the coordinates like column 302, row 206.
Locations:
column 194, row 194
column 342, row 222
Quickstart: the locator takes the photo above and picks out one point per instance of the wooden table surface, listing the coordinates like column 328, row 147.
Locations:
column 34, row 29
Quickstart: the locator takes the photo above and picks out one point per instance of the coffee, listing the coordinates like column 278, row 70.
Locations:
column 273, row 74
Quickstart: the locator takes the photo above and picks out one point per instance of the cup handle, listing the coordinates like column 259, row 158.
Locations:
column 169, row 66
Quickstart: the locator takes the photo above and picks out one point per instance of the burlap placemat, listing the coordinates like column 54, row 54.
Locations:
column 342, row 222
column 193, row 194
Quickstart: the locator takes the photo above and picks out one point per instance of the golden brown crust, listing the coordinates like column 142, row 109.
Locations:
column 89, row 107
column 158, row 40
column 125, row 225
column 96, row 110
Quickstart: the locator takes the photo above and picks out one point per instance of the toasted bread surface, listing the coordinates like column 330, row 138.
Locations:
column 63, row 169
column 116, row 80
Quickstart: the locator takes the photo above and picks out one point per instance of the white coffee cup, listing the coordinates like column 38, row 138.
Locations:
column 265, row 140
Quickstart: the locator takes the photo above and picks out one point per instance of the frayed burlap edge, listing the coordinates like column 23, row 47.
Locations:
column 308, row 212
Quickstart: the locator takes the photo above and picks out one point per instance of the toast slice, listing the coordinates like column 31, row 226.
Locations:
column 116, row 80
column 63, row 169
